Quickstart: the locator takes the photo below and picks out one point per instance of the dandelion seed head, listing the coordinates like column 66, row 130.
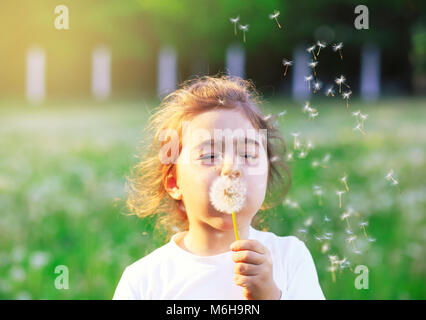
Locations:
column 235, row 20
column 346, row 94
column 243, row 27
column 338, row 46
column 310, row 49
column 228, row 195
column 274, row 15
column 287, row 62
column 321, row 44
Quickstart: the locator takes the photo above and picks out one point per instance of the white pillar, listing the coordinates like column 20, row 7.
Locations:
column 36, row 65
column 235, row 60
column 301, row 70
column 370, row 72
column 166, row 71
column 101, row 73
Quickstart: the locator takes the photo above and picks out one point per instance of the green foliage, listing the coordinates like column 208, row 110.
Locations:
column 62, row 197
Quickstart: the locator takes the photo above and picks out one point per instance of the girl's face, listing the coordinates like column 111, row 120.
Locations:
column 232, row 152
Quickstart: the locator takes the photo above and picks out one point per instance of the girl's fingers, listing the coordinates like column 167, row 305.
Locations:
column 248, row 256
column 249, row 244
column 246, row 269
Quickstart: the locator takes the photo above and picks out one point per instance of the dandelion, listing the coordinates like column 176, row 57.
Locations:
column 235, row 21
column 390, row 177
column 339, row 193
column 338, row 48
column 344, row 180
column 330, row 91
column 307, row 107
column 313, row 64
column 320, row 45
column 346, row 95
column 308, row 79
column 340, row 81
column 311, row 50
column 274, row 16
column 351, row 240
column 286, row 64
column 228, row 195
column 296, row 142
column 244, row 28
column 363, row 224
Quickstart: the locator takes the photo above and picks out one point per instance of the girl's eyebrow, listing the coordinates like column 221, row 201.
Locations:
column 210, row 142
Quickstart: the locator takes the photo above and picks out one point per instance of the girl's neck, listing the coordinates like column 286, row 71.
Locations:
column 202, row 243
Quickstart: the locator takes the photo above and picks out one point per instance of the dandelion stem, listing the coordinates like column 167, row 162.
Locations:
column 279, row 26
column 235, row 226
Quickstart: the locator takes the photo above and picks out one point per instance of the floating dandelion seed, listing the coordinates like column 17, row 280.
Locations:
column 286, row 64
column 282, row 113
column 221, row 101
column 308, row 222
column 317, row 86
column 320, row 45
column 363, row 224
column 275, row 158
column 244, row 28
column 341, row 81
column 346, row 95
column 345, row 216
column 345, row 182
column 313, row 64
column 327, row 219
column 369, row 239
column 359, row 128
column 339, row 193
column 274, row 16
column 356, row 115
column 390, row 177
column 306, row 107
column 228, row 195
column 348, row 231
column 333, row 261
column 311, row 50
column 338, row 48
column 318, row 238
column 302, row 154
column 313, row 114
column 308, row 79
column 290, row 156
column 295, row 141
column 302, row 230
column 235, row 21
column 363, row 117
column 330, row 91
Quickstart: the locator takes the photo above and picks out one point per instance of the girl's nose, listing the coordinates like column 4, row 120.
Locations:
column 230, row 169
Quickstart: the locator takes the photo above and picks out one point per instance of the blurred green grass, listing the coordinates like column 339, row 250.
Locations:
column 62, row 176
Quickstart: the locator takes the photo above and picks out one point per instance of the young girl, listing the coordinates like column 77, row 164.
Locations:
column 173, row 180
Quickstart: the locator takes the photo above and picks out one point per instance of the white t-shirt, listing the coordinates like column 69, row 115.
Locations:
column 172, row 273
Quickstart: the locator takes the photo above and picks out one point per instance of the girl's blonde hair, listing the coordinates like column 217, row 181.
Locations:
column 145, row 186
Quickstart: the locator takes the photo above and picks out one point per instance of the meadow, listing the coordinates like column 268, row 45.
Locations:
column 62, row 195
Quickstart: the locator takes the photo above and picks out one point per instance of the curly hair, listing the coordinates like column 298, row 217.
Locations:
column 147, row 195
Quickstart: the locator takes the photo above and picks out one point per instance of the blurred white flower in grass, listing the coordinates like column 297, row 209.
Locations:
column 17, row 274
column 18, row 254
column 39, row 259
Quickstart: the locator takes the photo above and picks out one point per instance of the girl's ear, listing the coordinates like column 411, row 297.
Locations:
column 171, row 186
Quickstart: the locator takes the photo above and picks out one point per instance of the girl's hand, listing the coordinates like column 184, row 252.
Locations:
column 253, row 270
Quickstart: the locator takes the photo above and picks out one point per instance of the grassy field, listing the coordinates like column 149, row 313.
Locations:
column 62, row 176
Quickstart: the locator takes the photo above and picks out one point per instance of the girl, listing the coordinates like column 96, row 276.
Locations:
column 203, row 259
